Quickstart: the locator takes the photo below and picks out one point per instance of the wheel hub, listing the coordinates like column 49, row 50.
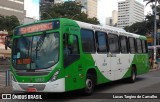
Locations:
column 89, row 84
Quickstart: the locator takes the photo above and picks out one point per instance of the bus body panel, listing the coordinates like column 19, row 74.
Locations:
column 56, row 86
column 108, row 66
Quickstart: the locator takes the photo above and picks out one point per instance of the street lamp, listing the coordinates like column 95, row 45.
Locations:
column 75, row 16
column 47, row 14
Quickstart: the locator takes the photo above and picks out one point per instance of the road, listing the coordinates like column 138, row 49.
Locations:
column 146, row 83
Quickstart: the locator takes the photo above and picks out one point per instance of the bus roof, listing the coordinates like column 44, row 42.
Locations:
column 106, row 28
column 109, row 29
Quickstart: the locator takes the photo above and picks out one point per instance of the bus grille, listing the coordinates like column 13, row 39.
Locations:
column 39, row 87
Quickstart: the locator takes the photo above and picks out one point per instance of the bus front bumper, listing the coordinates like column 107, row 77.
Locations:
column 55, row 86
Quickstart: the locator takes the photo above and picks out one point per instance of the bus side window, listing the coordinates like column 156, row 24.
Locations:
column 101, row 39
column 139, row 46
column 113, row 41
column 132, row 46
column 144, row 46
column 88, row 41
column 123, row 43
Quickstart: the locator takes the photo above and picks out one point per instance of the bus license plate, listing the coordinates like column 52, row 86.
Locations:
column 31, row 90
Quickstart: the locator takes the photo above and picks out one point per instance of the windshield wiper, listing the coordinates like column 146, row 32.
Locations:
column 40, row 42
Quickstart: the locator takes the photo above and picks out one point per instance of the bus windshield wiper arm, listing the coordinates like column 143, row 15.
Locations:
column 40, row 42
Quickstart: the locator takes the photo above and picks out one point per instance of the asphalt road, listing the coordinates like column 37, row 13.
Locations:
column 146, row 83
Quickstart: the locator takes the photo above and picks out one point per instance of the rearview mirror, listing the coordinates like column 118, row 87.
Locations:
column 70, row 39
column 8, row 42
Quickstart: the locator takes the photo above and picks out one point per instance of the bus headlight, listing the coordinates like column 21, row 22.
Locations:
column 13, row 78
column 55, row 75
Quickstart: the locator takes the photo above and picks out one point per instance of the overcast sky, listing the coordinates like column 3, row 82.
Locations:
column 105, row 8
column 32, row 8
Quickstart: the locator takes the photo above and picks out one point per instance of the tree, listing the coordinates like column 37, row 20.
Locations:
column 151, row 1
column 70, row 9
column 2, row 22
column 11, row 22
column 8, row 23
column 138, row 28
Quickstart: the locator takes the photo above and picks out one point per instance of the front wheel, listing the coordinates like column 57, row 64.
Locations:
column 132, row 78
column 89, row 85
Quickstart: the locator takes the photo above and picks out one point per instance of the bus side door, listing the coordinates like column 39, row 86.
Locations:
column 72, row 63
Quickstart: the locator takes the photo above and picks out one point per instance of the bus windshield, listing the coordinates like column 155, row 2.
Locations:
column 36, row 52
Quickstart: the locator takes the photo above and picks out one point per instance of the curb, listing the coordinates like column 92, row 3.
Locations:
column 151, row 70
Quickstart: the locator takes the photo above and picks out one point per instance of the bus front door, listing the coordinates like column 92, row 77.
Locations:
column 72, row 61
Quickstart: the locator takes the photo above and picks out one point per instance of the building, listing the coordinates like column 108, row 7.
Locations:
column 58, row 1
column 43, row 4
column 108, row 21
column 13, row 7
column 90, row 6
column 3, row 52
column 112, row 21
column 29, row 20
column 129, row 12
column 114, row 18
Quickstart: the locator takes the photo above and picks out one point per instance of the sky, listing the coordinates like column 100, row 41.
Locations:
column 32, row 8
column 105, row 8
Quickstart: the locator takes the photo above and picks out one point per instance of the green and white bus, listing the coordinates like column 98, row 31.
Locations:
column 61, row 55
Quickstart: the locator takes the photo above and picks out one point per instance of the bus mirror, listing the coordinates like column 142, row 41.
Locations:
column 70, row 39
column 7, row 42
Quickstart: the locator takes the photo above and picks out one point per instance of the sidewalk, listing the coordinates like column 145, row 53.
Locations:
column 157, row 67
column 151, row 70
column 4, row 89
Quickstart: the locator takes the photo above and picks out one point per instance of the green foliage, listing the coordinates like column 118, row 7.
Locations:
column 142, row 28
column 138, row 28
column 8, row 23
column 68, row 9
column 151, row 1
column 2, row 22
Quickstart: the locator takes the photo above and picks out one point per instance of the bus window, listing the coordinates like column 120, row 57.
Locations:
column 139, row 46
column 113, row 43
column 123, row 42
column 144, row 46
column 101, row 41
column 88, row 42
column 132, row 47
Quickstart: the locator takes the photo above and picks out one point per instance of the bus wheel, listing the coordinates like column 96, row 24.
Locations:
column 133, row 75
column 89, row 85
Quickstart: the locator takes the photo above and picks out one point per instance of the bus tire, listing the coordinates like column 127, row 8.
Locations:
column 132, row 78
column 89, row 85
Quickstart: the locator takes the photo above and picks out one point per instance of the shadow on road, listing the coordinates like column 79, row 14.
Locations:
column 140, row 79
column 115, row 84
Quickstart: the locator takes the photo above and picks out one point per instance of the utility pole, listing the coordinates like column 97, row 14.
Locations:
column 155, row 23
column 155, row 30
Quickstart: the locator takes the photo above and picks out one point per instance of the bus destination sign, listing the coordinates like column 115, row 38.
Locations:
column 36, row 28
